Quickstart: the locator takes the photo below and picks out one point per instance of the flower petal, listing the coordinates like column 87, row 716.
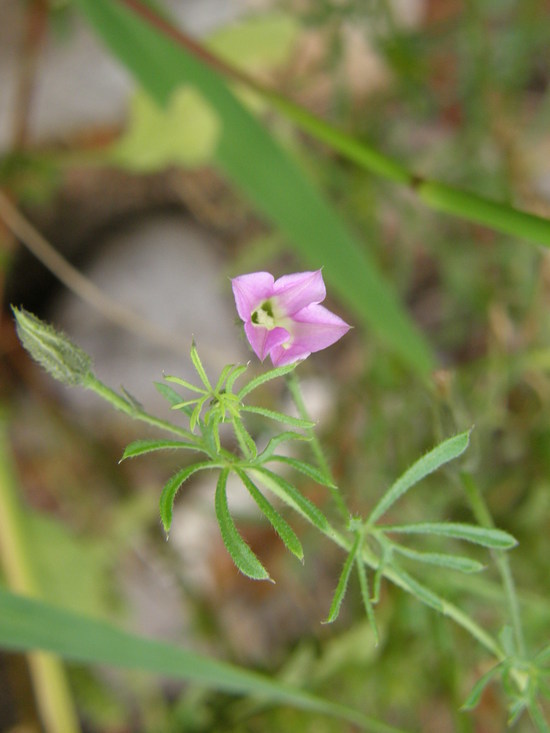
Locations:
column 249, row 291
column 262, row 340
column 313, row 329
column 294, row 292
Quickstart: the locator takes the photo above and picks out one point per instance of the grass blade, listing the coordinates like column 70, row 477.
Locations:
column 27, row 624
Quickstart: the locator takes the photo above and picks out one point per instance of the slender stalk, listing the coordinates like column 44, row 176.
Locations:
column 296, row 394
column 438, row 196
column 49, row 681
column 123, row 405
column 483, row 516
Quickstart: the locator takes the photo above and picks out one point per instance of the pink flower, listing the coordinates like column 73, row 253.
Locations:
column 283, row 318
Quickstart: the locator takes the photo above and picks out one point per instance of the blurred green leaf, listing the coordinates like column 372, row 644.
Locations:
column 27, row 625
column 256, row 42
column 184, row 133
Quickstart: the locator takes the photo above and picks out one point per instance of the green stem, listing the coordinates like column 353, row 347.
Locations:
column 296, row 394
column 438, row 196
column 483, row 516
column 123, row 405
column 48, row 676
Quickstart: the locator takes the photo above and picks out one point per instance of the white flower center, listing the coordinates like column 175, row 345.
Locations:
column 267, row 315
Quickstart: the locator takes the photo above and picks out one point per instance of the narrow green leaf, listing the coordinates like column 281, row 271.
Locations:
column 474, row 697
column 247, row 444
column 496, row 539
column 307, row 469
column 170, row 395
column 235, row 374
column 224, row 374
column 423, row 594
column 171, row 489
column 274, row 443
column 241, row 554
column 279, row 417
column 197, row 363
column 28, row 625
column 265, row 377
column 543, row 655
column 185, row 383
column 291, row 496
column 441, row 454
column 343, row 581
column 139, row 447
column 283, row 529
column 365, row 595
column 453, row 562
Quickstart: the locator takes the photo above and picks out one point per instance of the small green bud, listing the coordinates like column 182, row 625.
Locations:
column 52, row 349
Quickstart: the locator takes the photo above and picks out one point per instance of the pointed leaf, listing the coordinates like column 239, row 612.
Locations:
column 266, row 377
column 475, row 695
column 343, row 580
column 171, row 395
column 284, row 530
column 247, row 444
column 171, row 489
column 241, row 554
column 224, row 374
column 139, row 447
column 453, row 562
column 441, row 454
column 496, row 539
column 425, row 595
column 185, row 383
column 197, row 363
column 365, row 595
column 235, row 374
column 276, row 441
column 279, row 417
column 291, row 496
column 307, row 469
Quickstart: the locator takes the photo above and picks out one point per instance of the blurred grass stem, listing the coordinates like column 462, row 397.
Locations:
column 438, row 196
column 53, row 697
column 483, row 516
column 296, row 394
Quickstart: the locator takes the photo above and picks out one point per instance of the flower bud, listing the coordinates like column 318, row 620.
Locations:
column 52, row 349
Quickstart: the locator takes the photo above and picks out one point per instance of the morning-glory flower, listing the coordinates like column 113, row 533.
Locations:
column 283, row 318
